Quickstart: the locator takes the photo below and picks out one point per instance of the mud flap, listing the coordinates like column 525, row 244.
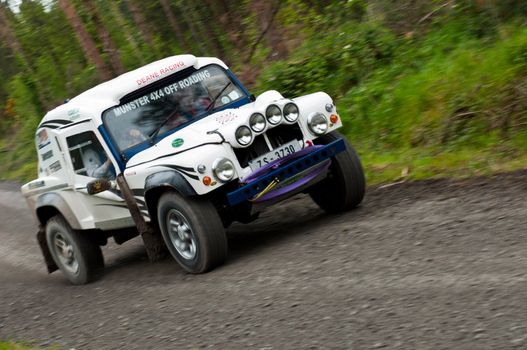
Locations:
column 154, row 244
column 48, row 259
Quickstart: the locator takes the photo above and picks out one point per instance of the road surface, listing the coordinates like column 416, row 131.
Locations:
column 426, row 265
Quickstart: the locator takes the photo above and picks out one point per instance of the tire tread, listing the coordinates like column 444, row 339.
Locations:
column 91, row 258
column 206, row 223
column 348, row 180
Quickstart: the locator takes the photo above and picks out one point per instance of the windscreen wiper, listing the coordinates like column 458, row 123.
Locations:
column 217, row 96
column 154, row 133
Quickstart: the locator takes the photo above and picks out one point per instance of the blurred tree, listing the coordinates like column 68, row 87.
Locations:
column 273, row 34
column 8, row 35
column 7, row 69
column 117, row 15
column 404, row 15
column 189, row 20
column 37, row 29
column 104, row 36
column 502, row 9
column 139, row 21
column 204, row 32
column 33, row 15
column 88, row 45
column 317, row 5
column 175, row 25
column 229, row 17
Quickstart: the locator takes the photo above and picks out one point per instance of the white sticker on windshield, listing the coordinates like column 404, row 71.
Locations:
column 225, row 100
column 161, row 93
column 234, row 95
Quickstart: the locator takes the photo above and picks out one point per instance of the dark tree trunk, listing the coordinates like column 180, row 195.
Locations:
column 211, row 35
column 274, row 37
column 230, row 23
column 87, row 44
column 140, row 22
column 125, row 27
column 107, row 42
column 174, row 24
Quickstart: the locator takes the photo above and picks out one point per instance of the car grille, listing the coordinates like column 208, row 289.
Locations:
column 277, row 136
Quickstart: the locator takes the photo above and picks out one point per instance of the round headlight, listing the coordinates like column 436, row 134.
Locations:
column 291, row 112
column 223, row 169
column 273, row 114
column 243, row 135
column 318, row 123
column 257, row 122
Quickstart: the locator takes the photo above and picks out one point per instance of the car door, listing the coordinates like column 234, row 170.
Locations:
column 86, row 153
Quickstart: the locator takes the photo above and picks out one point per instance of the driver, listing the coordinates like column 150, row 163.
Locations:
column 194, row 101
column 93, row 166
column 133, row 137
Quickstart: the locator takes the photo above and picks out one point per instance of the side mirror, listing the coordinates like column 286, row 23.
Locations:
column 98, row 186
column 252, row 97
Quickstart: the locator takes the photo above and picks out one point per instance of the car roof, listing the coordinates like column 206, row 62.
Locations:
column 91, row 103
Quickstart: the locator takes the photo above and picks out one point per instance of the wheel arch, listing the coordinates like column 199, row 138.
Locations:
column 158, row 183
column 51, row 204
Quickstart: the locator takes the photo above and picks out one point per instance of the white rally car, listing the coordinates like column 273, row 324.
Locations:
column 179, row 149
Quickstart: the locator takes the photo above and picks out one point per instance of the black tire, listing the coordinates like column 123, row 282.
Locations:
column 345, row 185
column 203, row 247
column 87, row 253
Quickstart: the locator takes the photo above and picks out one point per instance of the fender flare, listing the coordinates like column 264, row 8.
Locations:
column 163, row 179
column 169, row 178
column 55, row 201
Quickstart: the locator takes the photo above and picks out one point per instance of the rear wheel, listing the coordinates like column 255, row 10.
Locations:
column 345, row 185
column 79, row 258
column 192, row 231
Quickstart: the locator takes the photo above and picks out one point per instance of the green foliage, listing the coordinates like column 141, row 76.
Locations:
column 436, row 87
column 415, row 107
column 28, row 114
column 17, row 155
column 19, row 346
column 424, row 101
column 333, row 63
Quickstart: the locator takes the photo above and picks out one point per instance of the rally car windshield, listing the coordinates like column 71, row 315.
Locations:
column 169, row 106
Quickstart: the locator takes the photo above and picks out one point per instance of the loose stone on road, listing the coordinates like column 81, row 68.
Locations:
column 427, row 265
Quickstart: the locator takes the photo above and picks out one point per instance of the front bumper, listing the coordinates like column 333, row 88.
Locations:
column 287, row 171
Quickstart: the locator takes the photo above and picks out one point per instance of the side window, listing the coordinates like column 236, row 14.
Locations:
column 88, row 156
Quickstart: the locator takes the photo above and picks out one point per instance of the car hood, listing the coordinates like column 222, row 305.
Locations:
column 216, row 128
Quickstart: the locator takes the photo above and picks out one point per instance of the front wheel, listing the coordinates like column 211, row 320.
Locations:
column 79, row 258
column 345, row 185
column 192, row 231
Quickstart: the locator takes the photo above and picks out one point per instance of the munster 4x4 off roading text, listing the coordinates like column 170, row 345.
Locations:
column 176, row 151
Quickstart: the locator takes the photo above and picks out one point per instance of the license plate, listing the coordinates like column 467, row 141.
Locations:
column 280, row 152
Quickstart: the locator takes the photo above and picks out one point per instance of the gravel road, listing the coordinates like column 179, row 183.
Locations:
column 425, row 265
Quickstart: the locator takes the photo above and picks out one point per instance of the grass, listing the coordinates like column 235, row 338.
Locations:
column 404, row 119
column 20, row 346
column 412, row 164
column 445, row 103
column 434, row 106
